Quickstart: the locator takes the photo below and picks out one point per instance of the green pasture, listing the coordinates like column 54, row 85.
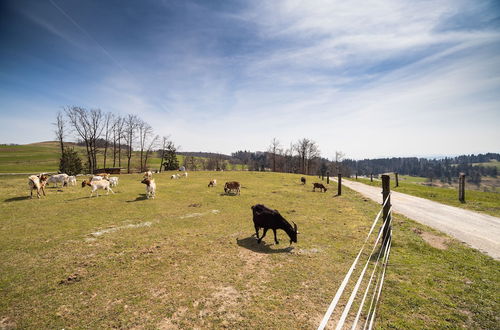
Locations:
column 479, row 201
column 491, row 163
column 44, row 157
column 187, row 259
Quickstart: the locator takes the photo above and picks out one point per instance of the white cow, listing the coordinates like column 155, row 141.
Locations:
column 96, row 185
column 150, row 187
column 70, row 181
column 113, row 181
column 58, row 178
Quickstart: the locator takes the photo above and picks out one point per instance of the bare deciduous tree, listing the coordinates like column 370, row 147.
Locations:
column 96, row 127
column 274, row 150
column 88, row 125
column 149, row 150
column 108, row 127
column 301, row 147
column 307, row 150
column 118, row 126
column 312, row 153
column 130, row 129
column 145, row 131
column 60, row 130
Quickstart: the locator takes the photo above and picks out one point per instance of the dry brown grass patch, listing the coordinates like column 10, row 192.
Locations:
column 435, row 241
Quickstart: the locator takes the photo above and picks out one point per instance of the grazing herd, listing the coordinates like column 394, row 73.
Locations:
column 263, row 217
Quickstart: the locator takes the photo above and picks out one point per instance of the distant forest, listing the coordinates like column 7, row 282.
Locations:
column 446, row 169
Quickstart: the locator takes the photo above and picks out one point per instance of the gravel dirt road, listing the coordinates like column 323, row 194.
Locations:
column 480, row 231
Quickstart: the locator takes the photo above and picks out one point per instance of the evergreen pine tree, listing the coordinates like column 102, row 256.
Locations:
column 170, row 162
column 70, row 163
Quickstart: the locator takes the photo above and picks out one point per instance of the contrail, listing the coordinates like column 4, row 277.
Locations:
column 88, row 35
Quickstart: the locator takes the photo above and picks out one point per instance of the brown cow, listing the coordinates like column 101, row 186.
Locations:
column 232, row 185
column 320, row 186
column 103, row 175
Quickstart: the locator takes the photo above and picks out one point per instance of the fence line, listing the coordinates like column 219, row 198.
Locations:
column 384, row 251
column 347, row 308
column 340, row 290
column 386, row 259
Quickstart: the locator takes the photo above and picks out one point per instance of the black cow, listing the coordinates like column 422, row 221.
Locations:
column 303, row 180
column 266, row 218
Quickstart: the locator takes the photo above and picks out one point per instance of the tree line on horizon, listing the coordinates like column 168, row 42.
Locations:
column 446, row 170
column 114, row 136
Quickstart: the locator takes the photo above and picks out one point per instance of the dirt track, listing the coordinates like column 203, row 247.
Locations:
column 478, row 230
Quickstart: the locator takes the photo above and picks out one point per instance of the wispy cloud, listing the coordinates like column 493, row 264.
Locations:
column 221, row 77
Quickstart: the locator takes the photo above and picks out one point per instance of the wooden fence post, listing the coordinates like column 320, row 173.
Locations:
column 371, row 177
column 461, row 188
column 397, row 179
column 327, row 177
column 339, row 186
column 356, row 176
column 386, row 190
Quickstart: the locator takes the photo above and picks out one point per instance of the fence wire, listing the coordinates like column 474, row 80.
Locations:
column 383, row 254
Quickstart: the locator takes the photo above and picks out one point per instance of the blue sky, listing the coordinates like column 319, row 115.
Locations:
column 370, row 78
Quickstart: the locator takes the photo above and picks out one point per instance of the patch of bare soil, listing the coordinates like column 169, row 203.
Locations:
column 256, row 264
column 222, row 304
column 6, row 323
column 73, row 278
column 435, row 241
column 306, row 251
column 224, row 301
column 150, row 250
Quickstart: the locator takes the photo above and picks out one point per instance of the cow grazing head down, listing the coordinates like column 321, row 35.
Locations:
column 266, row 218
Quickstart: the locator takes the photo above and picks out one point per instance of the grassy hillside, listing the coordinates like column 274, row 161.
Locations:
column 44, row 157
column 479, row 201
column 187, row 259
column 491, row 163
column 38, row 157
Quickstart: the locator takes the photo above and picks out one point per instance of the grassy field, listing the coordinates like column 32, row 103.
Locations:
column 479, row 201
column 491, row 163
column 187, row 259
column 44, row 157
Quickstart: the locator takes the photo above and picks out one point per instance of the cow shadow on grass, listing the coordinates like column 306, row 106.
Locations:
column 16, row 199
column 141, row 197
column 251, row 244
column 77, row 199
